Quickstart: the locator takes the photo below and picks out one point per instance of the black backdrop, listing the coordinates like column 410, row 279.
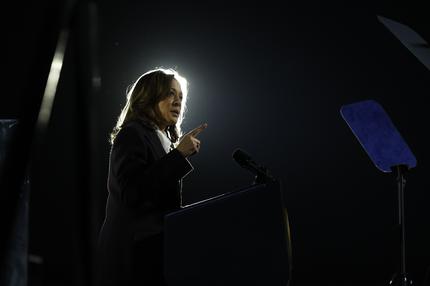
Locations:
column 268, row 77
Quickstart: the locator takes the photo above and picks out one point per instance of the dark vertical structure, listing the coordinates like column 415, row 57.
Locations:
column 88, row 82
column 13, row 269
column 62, row 31
column 16, row 159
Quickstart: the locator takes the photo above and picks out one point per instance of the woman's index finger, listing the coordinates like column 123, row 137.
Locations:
column 196, row 131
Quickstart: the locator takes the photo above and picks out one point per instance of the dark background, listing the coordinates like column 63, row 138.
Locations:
column 269, row 77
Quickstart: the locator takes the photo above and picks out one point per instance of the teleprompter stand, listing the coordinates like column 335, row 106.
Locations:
column 389, row 152
column 421, row 50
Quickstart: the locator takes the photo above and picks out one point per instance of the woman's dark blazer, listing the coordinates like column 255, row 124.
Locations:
column 144, row 184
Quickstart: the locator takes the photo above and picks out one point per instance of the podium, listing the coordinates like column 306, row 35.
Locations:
column 239, row 238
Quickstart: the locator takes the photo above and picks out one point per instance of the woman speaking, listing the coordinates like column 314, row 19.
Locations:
column 148, row 160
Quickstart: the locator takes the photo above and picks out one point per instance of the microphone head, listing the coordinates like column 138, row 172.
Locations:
column 241, row 157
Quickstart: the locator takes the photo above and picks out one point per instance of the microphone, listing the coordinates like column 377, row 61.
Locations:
column 245, row 161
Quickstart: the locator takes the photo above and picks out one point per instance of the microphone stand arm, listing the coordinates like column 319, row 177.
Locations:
column 263, row 176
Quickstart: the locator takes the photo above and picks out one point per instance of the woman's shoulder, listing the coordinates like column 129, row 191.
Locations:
column 138, row 126
column 133, row 131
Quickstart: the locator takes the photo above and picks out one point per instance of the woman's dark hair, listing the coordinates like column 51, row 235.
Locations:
column 143, row 97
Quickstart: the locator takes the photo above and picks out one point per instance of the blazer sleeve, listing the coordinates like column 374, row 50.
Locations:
column 138, row 179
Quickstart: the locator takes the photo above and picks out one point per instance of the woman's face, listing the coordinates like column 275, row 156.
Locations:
column 170, row 107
